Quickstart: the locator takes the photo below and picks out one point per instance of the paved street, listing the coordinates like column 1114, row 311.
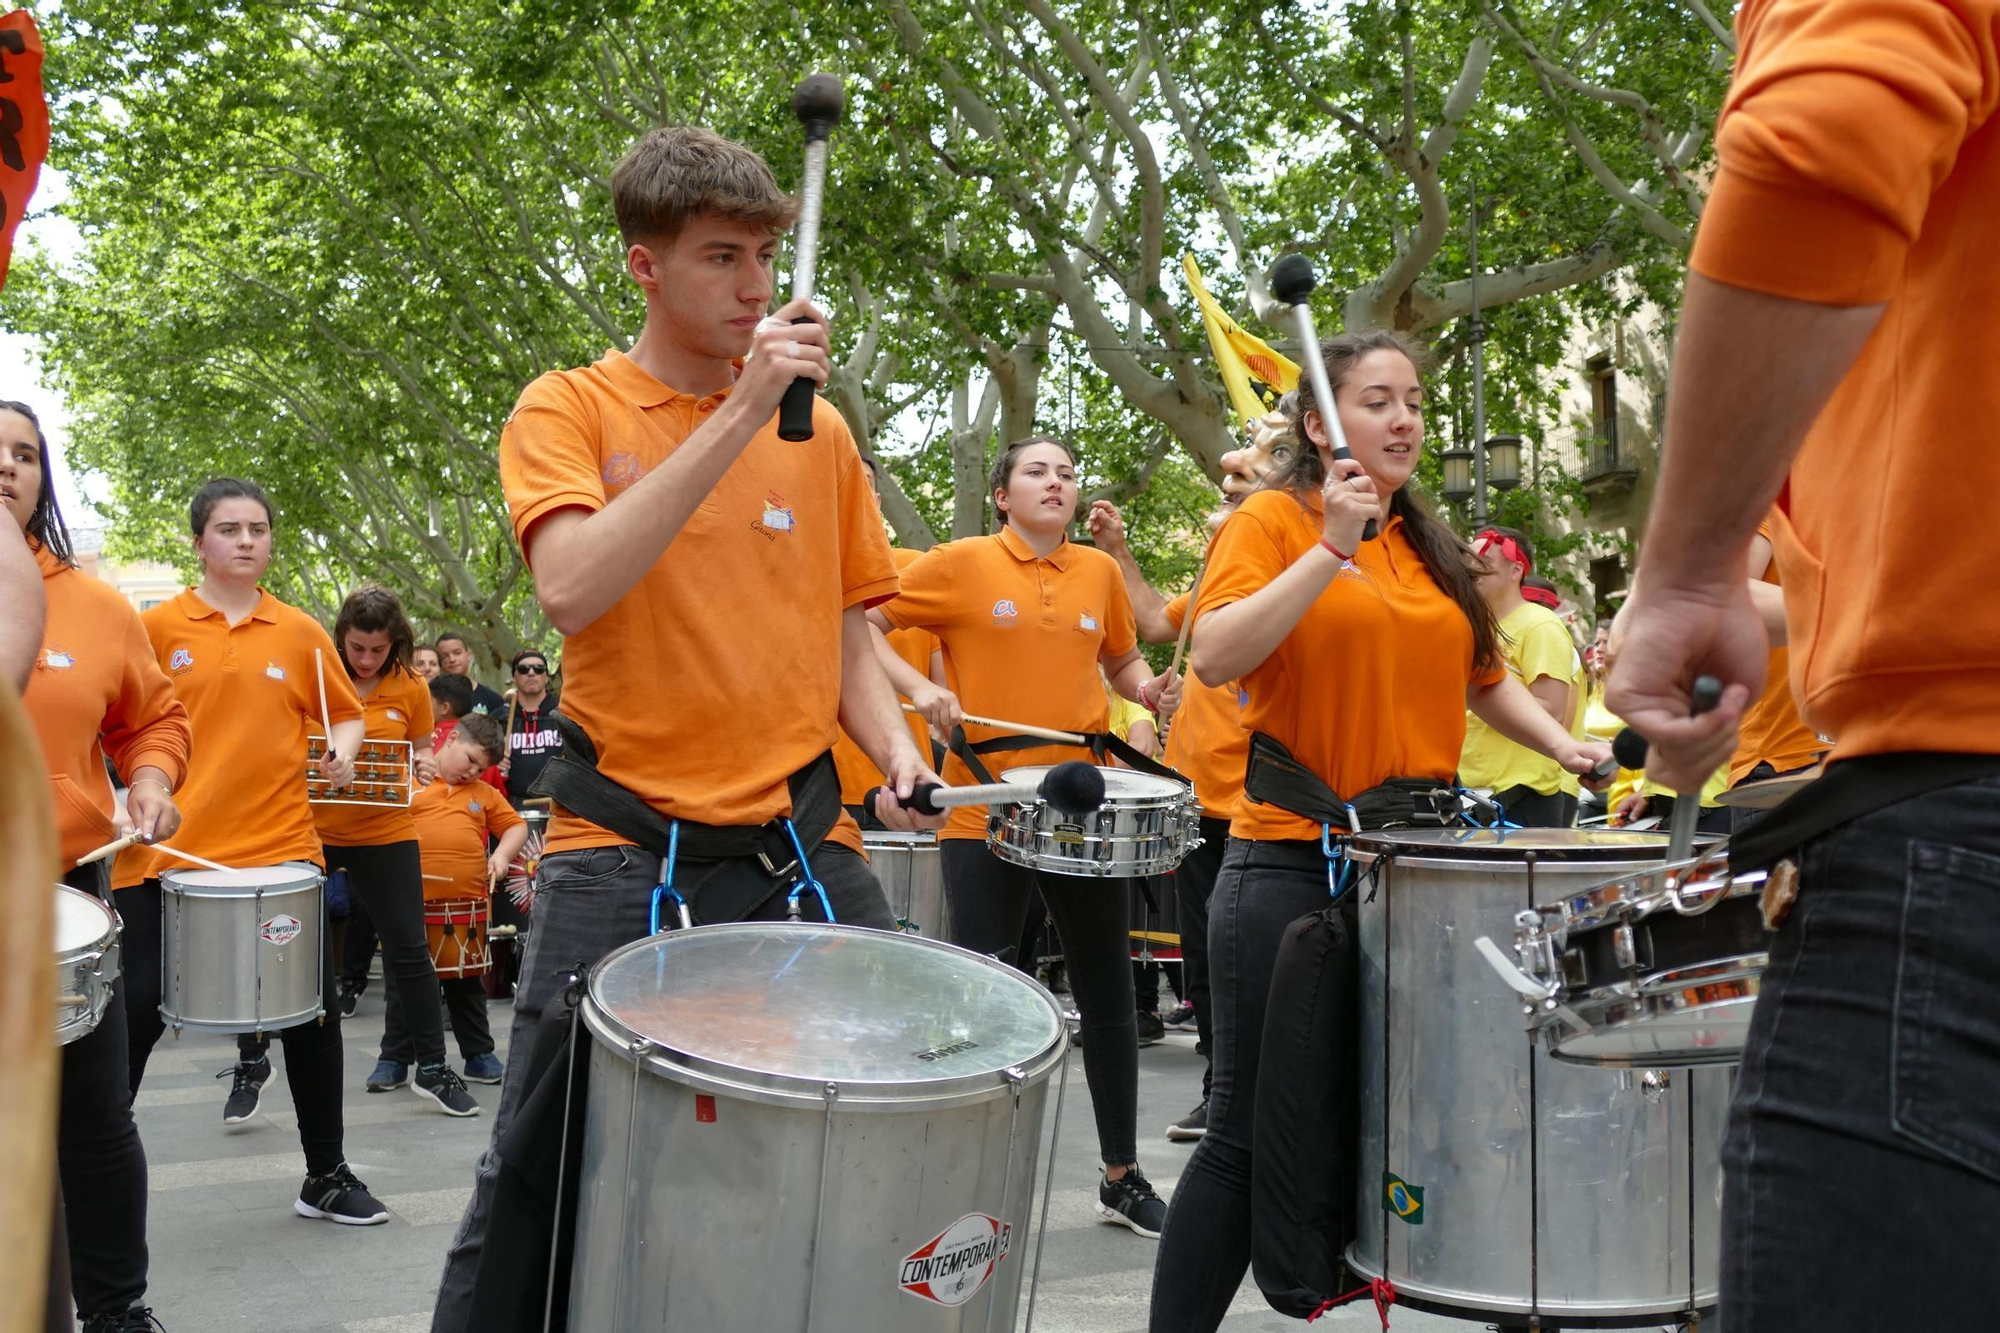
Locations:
column 229, row 1254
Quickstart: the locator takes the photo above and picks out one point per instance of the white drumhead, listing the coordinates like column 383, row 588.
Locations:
column 249, row 879
column 81, row 920
column 1119, row 783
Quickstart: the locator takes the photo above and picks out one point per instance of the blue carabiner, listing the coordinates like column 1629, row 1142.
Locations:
column 665, row 888
column 1339, row 870
column 808, row 880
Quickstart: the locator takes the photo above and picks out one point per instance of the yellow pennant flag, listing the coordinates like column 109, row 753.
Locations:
column 1255, row 376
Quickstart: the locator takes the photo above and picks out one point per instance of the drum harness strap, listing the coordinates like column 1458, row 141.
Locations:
column 573, row 781
column 1101, row 744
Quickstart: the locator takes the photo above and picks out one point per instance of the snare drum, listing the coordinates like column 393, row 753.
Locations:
column 912, row 876
column 1658, row 968
column 457, row 931
column 1146, row 825
column 86, row 962
column 808, row 1127
column 240, row 949
column 1495, row 1183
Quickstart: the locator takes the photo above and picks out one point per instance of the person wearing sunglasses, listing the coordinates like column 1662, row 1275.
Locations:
column 532, row 738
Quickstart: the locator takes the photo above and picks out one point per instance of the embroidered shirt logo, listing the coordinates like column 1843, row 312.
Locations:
column 1005, row 612
column 395, row 716
column 1085, row 620
column 473, row 807
column 181, row 662
column 274, row 671
column 778, row 515
column 55, row 659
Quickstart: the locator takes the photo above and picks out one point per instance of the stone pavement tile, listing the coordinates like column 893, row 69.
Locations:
column 427, row 1208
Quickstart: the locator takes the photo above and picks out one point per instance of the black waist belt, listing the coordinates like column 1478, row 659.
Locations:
column 1274, row 777
column 573, row 781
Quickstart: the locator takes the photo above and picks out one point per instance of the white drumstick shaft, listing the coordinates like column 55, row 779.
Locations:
column 1329, row 412
column 1040, row 733
column 805, row 237
column 197, row 860
column 988, row 793
column 112, row 848
column 325, row 718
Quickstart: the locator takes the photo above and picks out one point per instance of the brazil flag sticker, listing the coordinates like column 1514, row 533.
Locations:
column 1404, row 1199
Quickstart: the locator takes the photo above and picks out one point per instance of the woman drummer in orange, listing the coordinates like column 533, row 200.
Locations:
column 245, row 665
column 1026, row 619
column 1360, row 659
column 95, row 691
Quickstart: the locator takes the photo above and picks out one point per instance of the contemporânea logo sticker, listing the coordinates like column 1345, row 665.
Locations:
column 952, row 1267
column 280, row 930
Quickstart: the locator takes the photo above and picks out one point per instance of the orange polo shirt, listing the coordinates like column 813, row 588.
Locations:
column 1207, row 742
column 96, row 690
column 1370, row 684
column 1772, row 731
column 1858, row 162
column 453, row 825
column 857, row 771
column 731, row 639
column 252, row 697
column 1023, row 636
column 398, row 710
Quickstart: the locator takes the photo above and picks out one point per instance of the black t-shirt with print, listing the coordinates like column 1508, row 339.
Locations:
column 534, row 742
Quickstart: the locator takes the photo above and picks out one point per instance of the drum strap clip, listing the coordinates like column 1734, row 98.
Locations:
column 807, row 880
column 1339, row 870
column 665, row 888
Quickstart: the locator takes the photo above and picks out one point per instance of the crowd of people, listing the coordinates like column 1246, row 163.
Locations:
column 1354, row 665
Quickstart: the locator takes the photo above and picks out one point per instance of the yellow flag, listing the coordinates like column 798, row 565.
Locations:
column 1255, row 376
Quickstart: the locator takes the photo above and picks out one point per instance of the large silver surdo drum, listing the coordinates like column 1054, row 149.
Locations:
column 817, row 1128
column 1494, row 1181
column 240, row 949
column 911, row 872
column 86, row 962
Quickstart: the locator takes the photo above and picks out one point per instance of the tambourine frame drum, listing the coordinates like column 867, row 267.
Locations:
column 240, row 950
column 911, row 871
column 1652, row 970
column 1146, row 826
column 808, row 1127
column 87, row 934
column 1495, row 1183
column 456, row 929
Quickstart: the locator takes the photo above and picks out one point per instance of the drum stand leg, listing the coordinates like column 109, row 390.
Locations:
column 831, row 1092
column 1048, row 1184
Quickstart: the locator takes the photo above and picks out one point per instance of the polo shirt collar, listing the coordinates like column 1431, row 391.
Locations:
column 194, row 608
column 640, row 389
column 1017, row 546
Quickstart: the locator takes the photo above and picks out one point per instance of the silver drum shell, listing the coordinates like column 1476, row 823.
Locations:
column 1549, row 1189
column 87, row 934
column 241, row 953
column 911, row 872
column 1129, row 835
column 702, row 1187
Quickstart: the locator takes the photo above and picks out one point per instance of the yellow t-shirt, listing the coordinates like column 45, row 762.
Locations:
column 1126, row 715
column 1535, row 644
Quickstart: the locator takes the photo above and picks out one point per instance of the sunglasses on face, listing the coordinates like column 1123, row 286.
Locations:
column 531, row 669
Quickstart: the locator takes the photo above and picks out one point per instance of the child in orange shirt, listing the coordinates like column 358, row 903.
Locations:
column 456, row 815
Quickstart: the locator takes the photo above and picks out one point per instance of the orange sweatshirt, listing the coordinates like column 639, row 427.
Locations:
column 97, row 689
column 1859, row 163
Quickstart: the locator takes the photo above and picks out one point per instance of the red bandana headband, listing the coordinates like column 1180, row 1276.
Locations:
column 1490, row 540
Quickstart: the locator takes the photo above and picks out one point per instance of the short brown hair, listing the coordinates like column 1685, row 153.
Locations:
column 679, row 172
column 485, row 735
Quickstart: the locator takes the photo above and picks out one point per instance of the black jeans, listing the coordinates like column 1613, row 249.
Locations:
column 387, row 883
column 987, row 902
column 312, row 1048
column 1205, row 1249
column 1531, row 809
column 1194, row 885
column 1862, row 1168
column 99, row 1157
column 465, row 997
column 588, row 903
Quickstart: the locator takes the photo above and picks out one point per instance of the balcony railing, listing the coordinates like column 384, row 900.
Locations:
column 1605, row 467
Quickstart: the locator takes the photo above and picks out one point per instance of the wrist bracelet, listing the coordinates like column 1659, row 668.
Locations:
column 1344, row 556
column 155, row 781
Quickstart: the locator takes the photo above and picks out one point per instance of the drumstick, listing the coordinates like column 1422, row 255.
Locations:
column 1187, row 618
column 816, row 102
column 1075, row 788
column 1041, row 733
column 197, row 860
column 442, row 878
column 325, row 718
column 1631, row 750
column 1292, row 281
column 108, row 849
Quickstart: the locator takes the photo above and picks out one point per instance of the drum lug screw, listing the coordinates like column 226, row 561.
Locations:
column 1654, row 1085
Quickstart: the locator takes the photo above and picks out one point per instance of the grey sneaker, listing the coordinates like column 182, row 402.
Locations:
column 1130, row 1202
column 340, row 1198
column 1190, row 1126
column 246, row 1090
column 442, row 1085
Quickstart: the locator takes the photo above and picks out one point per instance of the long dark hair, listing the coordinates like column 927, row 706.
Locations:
column 373, row 609
column 1003, row 466
column 1448, row 559
column 45, row 525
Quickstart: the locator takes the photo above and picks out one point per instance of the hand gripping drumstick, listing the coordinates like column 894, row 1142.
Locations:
column 112, row 848
column 1631, row 748
column 1075, row 788
column 1040, row 733
column 816, row 102
column 1292, row 281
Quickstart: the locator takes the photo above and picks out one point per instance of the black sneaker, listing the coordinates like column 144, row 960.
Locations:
column 340, row 1198
column 1190, row 1126
column 1151, row 1029
column 1180, row 1018
column 246, row 1091
column 350, row 997
column 138, row 1319
column 1130, row 1202
column 442, row 1085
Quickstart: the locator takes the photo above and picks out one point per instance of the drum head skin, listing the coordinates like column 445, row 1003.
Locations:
column 1119, row 783
column 239, row 883
column 792, row 1007
column 81, row 920
column 1547, row 844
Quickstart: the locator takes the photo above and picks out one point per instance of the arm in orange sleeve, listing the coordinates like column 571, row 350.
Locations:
column 343, row 705
column 1843, row 118
column 1251, row 596
column 505, row 825
column 867, row 571
column 146, row 725
column 928, row 597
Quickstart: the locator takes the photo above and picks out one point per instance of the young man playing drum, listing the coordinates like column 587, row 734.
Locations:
column 674, row 538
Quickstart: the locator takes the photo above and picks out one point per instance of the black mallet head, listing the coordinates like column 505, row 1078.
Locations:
column 1293, row 279
column 1629, row 748
column 817, row 102
column 1075, row 788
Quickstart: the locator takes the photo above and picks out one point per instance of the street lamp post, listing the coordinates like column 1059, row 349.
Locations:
column 1478, row 335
